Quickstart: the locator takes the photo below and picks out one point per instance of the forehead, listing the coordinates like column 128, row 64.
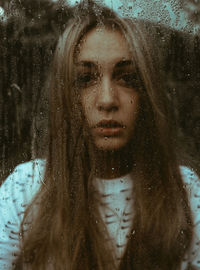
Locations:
column 104, row 45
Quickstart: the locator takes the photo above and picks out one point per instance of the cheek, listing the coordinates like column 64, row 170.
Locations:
column 132, row 111
column 133, row 105
column 87, row 101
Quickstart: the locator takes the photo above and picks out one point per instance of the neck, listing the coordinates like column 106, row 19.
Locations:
column 113, row 164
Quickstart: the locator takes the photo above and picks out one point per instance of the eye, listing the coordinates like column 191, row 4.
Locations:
column 86, row 79
column 129, row 80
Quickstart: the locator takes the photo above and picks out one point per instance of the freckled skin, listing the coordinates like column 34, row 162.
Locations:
column 108, row 93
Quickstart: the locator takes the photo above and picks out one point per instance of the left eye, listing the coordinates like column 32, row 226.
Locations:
column 128, row 80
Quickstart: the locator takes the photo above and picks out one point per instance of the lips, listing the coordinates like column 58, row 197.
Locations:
column 109, row 128
column 109, row 124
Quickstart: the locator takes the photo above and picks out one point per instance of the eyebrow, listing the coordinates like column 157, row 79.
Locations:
column 87, row 64
column 120, row 64
column 124, row 63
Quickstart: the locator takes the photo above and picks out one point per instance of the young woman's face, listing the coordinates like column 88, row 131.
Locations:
column 107, row 81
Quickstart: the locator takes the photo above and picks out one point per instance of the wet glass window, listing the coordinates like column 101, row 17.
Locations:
column 123, row 105
column 29, row 32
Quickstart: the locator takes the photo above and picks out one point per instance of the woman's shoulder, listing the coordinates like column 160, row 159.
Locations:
column 23, row 183
column 26, row 174
column 33, row 169
column 192, row 184
column 189, row 176
column 16, row 193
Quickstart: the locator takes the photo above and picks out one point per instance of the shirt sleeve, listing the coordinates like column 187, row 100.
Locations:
column 192, row 182
column 15, row 194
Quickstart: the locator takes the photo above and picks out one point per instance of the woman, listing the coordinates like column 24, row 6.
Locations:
column 110, row 194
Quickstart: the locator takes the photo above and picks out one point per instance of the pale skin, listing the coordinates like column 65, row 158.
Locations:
column 109, row 97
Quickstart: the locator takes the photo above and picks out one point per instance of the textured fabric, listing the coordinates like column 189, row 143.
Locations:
column 21, row 186
column 116, row 210
column 16, row 192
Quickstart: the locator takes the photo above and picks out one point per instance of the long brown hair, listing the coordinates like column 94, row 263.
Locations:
column 66, row 230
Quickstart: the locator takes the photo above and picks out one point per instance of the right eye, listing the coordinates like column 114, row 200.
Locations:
column 86, row 79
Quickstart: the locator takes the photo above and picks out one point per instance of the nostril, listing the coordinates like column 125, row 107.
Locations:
column 108, row 108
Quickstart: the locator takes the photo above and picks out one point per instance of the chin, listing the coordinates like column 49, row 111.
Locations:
column 110, row 144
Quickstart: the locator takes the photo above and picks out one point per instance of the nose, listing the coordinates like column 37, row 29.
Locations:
column 107, row 97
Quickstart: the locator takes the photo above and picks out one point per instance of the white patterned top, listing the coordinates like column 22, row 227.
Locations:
column 116, row 209
column 20, row 187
